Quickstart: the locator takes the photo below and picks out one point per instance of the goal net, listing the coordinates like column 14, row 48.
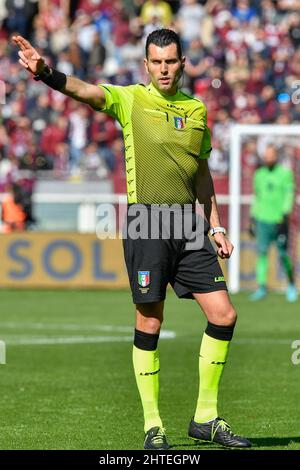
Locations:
column 247, row 144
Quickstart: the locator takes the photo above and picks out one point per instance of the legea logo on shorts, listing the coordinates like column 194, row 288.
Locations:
column 220, row 279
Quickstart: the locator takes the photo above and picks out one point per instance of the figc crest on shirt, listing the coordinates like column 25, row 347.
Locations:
column 178, row 123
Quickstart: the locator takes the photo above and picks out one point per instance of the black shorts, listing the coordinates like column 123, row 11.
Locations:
column 153, row 262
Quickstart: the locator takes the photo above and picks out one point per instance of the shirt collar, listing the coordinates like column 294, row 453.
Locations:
column 156, row 92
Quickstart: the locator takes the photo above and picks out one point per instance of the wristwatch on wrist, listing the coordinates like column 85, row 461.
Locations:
column 46, row 73
column 217, row 230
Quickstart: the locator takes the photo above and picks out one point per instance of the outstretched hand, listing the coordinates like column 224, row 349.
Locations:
column 224, row 246
column 30, row 59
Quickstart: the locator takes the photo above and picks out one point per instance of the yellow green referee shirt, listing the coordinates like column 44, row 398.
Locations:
column 165, row 136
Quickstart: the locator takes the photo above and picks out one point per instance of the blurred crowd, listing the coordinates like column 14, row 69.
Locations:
column 243, row 60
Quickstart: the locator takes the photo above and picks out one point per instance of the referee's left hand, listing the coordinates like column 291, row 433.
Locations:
column 224, row 246
column 30, row 59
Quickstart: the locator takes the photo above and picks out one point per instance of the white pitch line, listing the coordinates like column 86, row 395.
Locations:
column 263, row 341
column 70, row 340
column 256, row 341
column 63, row 326
column 165, row 334
column 16, row 341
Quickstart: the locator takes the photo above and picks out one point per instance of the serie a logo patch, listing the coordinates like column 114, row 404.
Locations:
column 144, row 281
column 178, row 123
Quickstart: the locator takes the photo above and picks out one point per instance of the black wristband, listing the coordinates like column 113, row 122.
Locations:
column 53, row 78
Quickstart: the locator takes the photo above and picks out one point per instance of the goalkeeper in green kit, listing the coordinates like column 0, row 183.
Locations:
column 273, row 202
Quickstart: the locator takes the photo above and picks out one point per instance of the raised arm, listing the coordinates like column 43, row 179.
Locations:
column 82, row 91
column 206, row 196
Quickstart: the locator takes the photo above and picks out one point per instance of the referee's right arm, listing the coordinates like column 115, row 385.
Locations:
column 82, row 91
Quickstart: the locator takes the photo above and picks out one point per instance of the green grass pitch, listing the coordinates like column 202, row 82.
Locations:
column 68, row 382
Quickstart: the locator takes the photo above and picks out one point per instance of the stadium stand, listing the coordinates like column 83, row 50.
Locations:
column 242, row 57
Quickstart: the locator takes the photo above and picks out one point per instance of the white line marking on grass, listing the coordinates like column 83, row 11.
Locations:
column 63, row 326
column 166, row 334
column 23, row 340
column 262, row 341
column 257, row 341
column 70, row 340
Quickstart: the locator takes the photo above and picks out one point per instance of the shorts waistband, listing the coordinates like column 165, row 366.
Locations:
column 189, row 207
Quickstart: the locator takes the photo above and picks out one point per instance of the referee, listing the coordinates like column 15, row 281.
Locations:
column 167, row 145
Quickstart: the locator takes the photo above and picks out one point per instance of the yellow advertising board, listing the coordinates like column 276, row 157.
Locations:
column 73, row 260
column 61, row 260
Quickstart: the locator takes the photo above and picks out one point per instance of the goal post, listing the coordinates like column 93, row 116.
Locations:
column 238, row 134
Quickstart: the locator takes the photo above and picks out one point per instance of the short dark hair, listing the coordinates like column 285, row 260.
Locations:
column 162, row 38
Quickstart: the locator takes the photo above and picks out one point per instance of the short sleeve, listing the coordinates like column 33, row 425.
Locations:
column 206, row 144
column 206, row 141
column 118, row 102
